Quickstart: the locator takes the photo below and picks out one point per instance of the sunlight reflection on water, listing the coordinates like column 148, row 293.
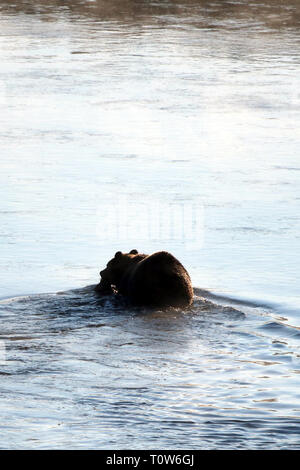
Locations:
column 186, row 105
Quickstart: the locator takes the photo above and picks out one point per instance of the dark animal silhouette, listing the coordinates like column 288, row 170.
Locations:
column 157, row 280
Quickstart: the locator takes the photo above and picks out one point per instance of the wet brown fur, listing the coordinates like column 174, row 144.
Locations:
column 157, row 280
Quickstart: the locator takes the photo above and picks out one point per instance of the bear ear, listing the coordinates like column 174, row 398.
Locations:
column 118, row 254
column 133, row 252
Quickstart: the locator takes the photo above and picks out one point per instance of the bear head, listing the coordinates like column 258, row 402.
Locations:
column 117, row 267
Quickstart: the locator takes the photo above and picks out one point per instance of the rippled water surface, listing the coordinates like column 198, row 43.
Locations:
column 84, row 372
column 149, row 125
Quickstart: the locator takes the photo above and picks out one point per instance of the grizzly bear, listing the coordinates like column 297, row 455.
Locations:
column 157, row 280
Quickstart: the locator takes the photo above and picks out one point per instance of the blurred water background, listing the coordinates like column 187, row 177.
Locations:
column 151, row 125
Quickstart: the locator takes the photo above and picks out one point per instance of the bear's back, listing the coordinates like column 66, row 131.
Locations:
column 160, row 280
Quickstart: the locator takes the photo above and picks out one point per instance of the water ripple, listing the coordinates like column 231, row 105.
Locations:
column 188, row 373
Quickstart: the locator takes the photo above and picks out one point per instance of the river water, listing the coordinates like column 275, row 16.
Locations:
column 150, row 125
